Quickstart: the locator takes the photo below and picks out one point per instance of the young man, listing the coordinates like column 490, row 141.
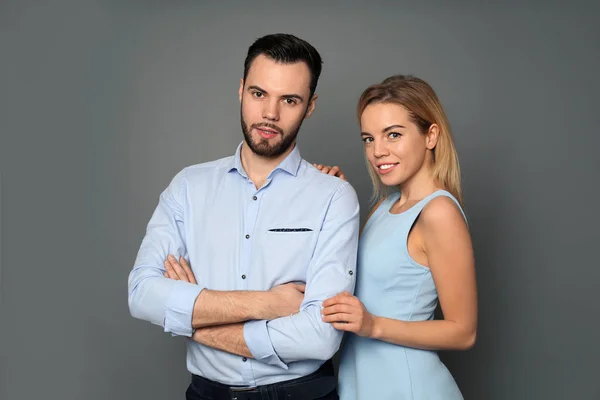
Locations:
column 268, row 237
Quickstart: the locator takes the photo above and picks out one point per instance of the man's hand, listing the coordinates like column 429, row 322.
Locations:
column 179, row 271
column 286, row 299
column 335, row 170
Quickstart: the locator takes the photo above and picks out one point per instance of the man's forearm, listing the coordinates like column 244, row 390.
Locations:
column 227, row 307
column 229, row 338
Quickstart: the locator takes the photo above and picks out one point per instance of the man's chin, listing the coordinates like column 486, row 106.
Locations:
column 264, row 147
column 267, row 151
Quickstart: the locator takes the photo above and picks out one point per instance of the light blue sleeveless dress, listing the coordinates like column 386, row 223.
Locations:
column 391, row 284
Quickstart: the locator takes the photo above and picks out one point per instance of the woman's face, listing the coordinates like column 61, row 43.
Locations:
column 394, row 145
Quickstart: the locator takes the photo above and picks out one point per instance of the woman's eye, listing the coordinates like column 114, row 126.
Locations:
column 367, row 139
column 394, row 135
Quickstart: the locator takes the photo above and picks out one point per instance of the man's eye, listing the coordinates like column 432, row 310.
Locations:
column 290, row 101
column 257, row 94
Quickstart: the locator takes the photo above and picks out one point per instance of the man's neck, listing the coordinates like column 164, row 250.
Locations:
column 258, row 167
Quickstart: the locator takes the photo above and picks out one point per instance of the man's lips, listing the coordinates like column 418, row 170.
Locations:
column 265, row 132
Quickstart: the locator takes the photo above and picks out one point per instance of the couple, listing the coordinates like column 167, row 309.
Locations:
column 255, row 258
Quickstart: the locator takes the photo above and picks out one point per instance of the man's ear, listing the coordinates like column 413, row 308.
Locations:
column 241, row 89
column 311, row 106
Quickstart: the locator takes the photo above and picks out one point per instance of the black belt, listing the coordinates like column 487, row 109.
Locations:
column 316, row 385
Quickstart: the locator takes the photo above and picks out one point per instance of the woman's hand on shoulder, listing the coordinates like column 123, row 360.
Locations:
column 331, row 170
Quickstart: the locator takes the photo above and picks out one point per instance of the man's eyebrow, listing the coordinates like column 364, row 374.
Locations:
column 254, row 87
column 285, row 96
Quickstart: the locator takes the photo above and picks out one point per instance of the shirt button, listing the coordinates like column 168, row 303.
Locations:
column 244, row 359
column 247, row 236
column 254, row 198
column 351, row 273
column 243, row 276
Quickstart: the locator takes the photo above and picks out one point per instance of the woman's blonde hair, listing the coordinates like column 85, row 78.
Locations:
column 425, row 109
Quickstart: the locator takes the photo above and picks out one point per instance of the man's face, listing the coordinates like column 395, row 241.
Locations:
column 274, row 102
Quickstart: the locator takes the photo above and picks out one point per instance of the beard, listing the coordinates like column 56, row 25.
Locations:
column 262, row 147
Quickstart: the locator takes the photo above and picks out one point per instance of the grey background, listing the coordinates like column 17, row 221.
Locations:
column 103, row 102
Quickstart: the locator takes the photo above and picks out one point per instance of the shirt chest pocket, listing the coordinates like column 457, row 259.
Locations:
column 288, row 249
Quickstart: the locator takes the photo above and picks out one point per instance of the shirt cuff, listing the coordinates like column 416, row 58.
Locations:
column 258, row 341
column 180, row 307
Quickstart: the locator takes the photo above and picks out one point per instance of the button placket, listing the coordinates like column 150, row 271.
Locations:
column 251, row 202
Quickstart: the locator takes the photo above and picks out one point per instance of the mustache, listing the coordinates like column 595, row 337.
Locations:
column 267, row 125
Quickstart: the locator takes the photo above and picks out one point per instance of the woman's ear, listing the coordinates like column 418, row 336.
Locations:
column 432, row 136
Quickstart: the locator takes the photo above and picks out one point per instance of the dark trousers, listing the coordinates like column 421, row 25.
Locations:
column 320, row 385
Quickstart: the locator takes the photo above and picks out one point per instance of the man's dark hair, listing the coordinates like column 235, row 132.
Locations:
column 286, row 49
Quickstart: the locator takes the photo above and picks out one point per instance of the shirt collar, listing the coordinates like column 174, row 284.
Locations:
column 290, row 164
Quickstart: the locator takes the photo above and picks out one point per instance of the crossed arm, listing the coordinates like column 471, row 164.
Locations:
column 218, row 316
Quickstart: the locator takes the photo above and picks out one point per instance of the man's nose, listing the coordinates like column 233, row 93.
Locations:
column 271, row 110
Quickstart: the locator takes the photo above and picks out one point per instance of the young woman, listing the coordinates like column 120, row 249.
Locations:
column 415, row 248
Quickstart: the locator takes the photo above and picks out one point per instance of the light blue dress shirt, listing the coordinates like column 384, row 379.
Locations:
column 301, row 226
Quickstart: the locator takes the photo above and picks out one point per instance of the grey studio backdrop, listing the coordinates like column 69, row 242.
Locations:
column 103, row 102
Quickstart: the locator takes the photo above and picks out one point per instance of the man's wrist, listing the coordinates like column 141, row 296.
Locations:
column 264, row 306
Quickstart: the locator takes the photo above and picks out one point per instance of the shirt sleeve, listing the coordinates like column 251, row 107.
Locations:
column 152, row 297
column 304, row 336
